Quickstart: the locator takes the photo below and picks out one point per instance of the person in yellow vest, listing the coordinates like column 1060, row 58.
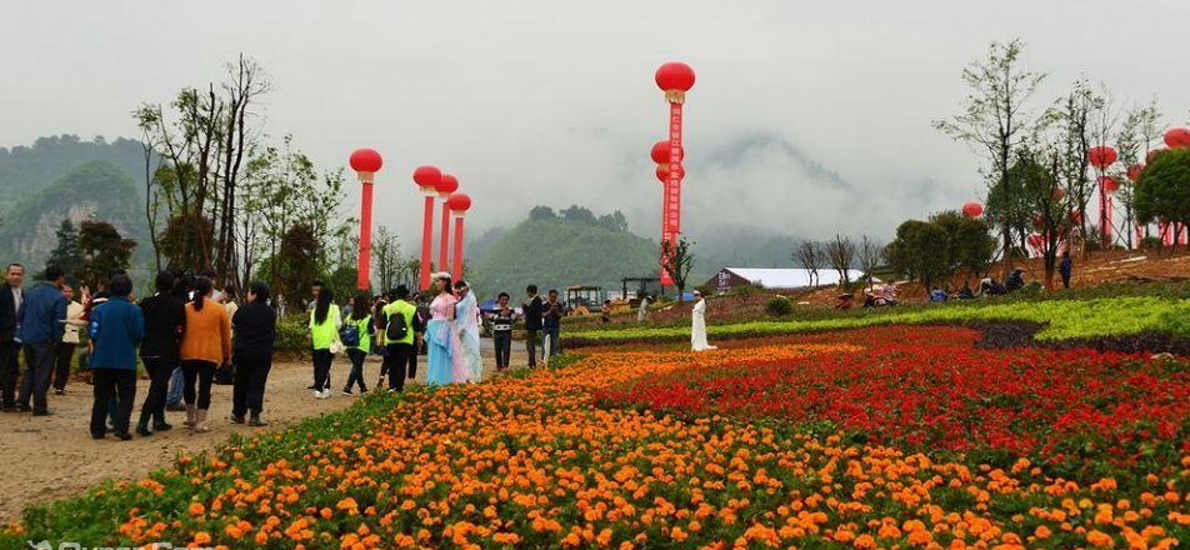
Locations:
column 398, row 337
column 357, row 351
column 325, row 322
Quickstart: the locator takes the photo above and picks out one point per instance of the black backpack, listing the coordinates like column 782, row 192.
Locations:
column 397, row 328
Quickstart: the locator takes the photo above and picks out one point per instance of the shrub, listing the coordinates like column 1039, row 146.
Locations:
column 292, row 334
column 778, row 306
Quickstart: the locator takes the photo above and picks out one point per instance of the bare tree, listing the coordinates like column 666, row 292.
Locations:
column 809, row 255
column 870, row 254
column 994, row 121
column 204, row 138
column 840, row 253
column 386, row 252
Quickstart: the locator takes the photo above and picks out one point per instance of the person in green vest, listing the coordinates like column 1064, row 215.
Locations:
column 359, row 323
column 398, row 337
column 324, row 335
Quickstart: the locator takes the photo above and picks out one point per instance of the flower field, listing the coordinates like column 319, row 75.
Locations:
column 1064, row 320
column 898, row 437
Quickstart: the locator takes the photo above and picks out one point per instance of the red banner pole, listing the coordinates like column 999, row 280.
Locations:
column 363, row 279
column 1102, row 215
column 444, row 242
column 427, row 242
column 456, row 267
column 671, row 224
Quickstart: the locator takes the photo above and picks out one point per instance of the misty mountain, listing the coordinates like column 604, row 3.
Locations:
column 25, row 169
column 739, row 245
column 94, row 190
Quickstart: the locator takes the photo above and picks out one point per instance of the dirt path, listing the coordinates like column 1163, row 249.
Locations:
column 48, row 458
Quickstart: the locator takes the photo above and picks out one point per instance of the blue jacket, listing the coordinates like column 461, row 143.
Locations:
column 117, row 327
column 42, row 317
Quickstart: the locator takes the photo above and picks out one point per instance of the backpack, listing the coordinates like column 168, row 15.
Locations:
column 397, row 329
column 349, row 335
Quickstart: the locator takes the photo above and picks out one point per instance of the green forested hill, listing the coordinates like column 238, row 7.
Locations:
column 24, row 169
column 97, row 189
column 60, row 177
column 569, row 248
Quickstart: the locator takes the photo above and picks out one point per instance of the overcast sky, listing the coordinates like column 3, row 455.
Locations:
column 553, row 101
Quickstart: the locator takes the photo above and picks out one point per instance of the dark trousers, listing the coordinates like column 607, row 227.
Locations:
column 503, row 342
column 251, row 375
column 357, row 357
column 108, row 382
column 39, row 365
column 418, row 342
column 555, row 343
column 9, row 372
column 1065, row 280
column 160, row 371
column 322, row 368
column 398, row 360
column 531, row 346
column 62, row 367
column 200, row 371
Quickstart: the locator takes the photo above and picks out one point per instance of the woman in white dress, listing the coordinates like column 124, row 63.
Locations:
column 467, row 317
column 698, row 332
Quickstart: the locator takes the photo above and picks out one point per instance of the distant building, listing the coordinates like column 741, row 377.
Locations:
column 775, row 278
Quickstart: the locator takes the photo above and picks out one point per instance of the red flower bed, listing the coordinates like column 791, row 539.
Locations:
column 929, row 388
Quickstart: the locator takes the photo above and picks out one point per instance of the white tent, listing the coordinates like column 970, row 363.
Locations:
column 778, row 278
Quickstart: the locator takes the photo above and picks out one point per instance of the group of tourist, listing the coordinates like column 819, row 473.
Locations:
column 182, row 334
column 188, row 334
column 445, row 322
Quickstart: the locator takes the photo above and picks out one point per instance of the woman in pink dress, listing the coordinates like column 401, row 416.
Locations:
column 442, row 336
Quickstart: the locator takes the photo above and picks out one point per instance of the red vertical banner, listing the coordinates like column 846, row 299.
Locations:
column 363, row 277
column 427, row 243
column 456, row 266
column 444, row 242
column 671, row 215
column 1105, row 232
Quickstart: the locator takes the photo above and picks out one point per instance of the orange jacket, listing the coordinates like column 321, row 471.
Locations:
column 208, row 333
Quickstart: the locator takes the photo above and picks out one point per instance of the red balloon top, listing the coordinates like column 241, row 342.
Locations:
column 972, row 210
column 1178, row 137
column 366, row 160
column 660, row 152
column 447, row 185
column 458, row 202
column 663, row 172
column 1102, row 156
column 675, row 76
column 427, row 177
column 1109, row 183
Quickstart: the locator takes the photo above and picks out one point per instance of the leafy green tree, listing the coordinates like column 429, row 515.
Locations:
column 297, row 264
column 919, row 252
column 1048, row 203
column 994, row 120
column 104, row 252
column 542, row 213
column 969, row 245
column 1163, row 190
column 579, row 214
column 67, row 254
column 677, row 260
